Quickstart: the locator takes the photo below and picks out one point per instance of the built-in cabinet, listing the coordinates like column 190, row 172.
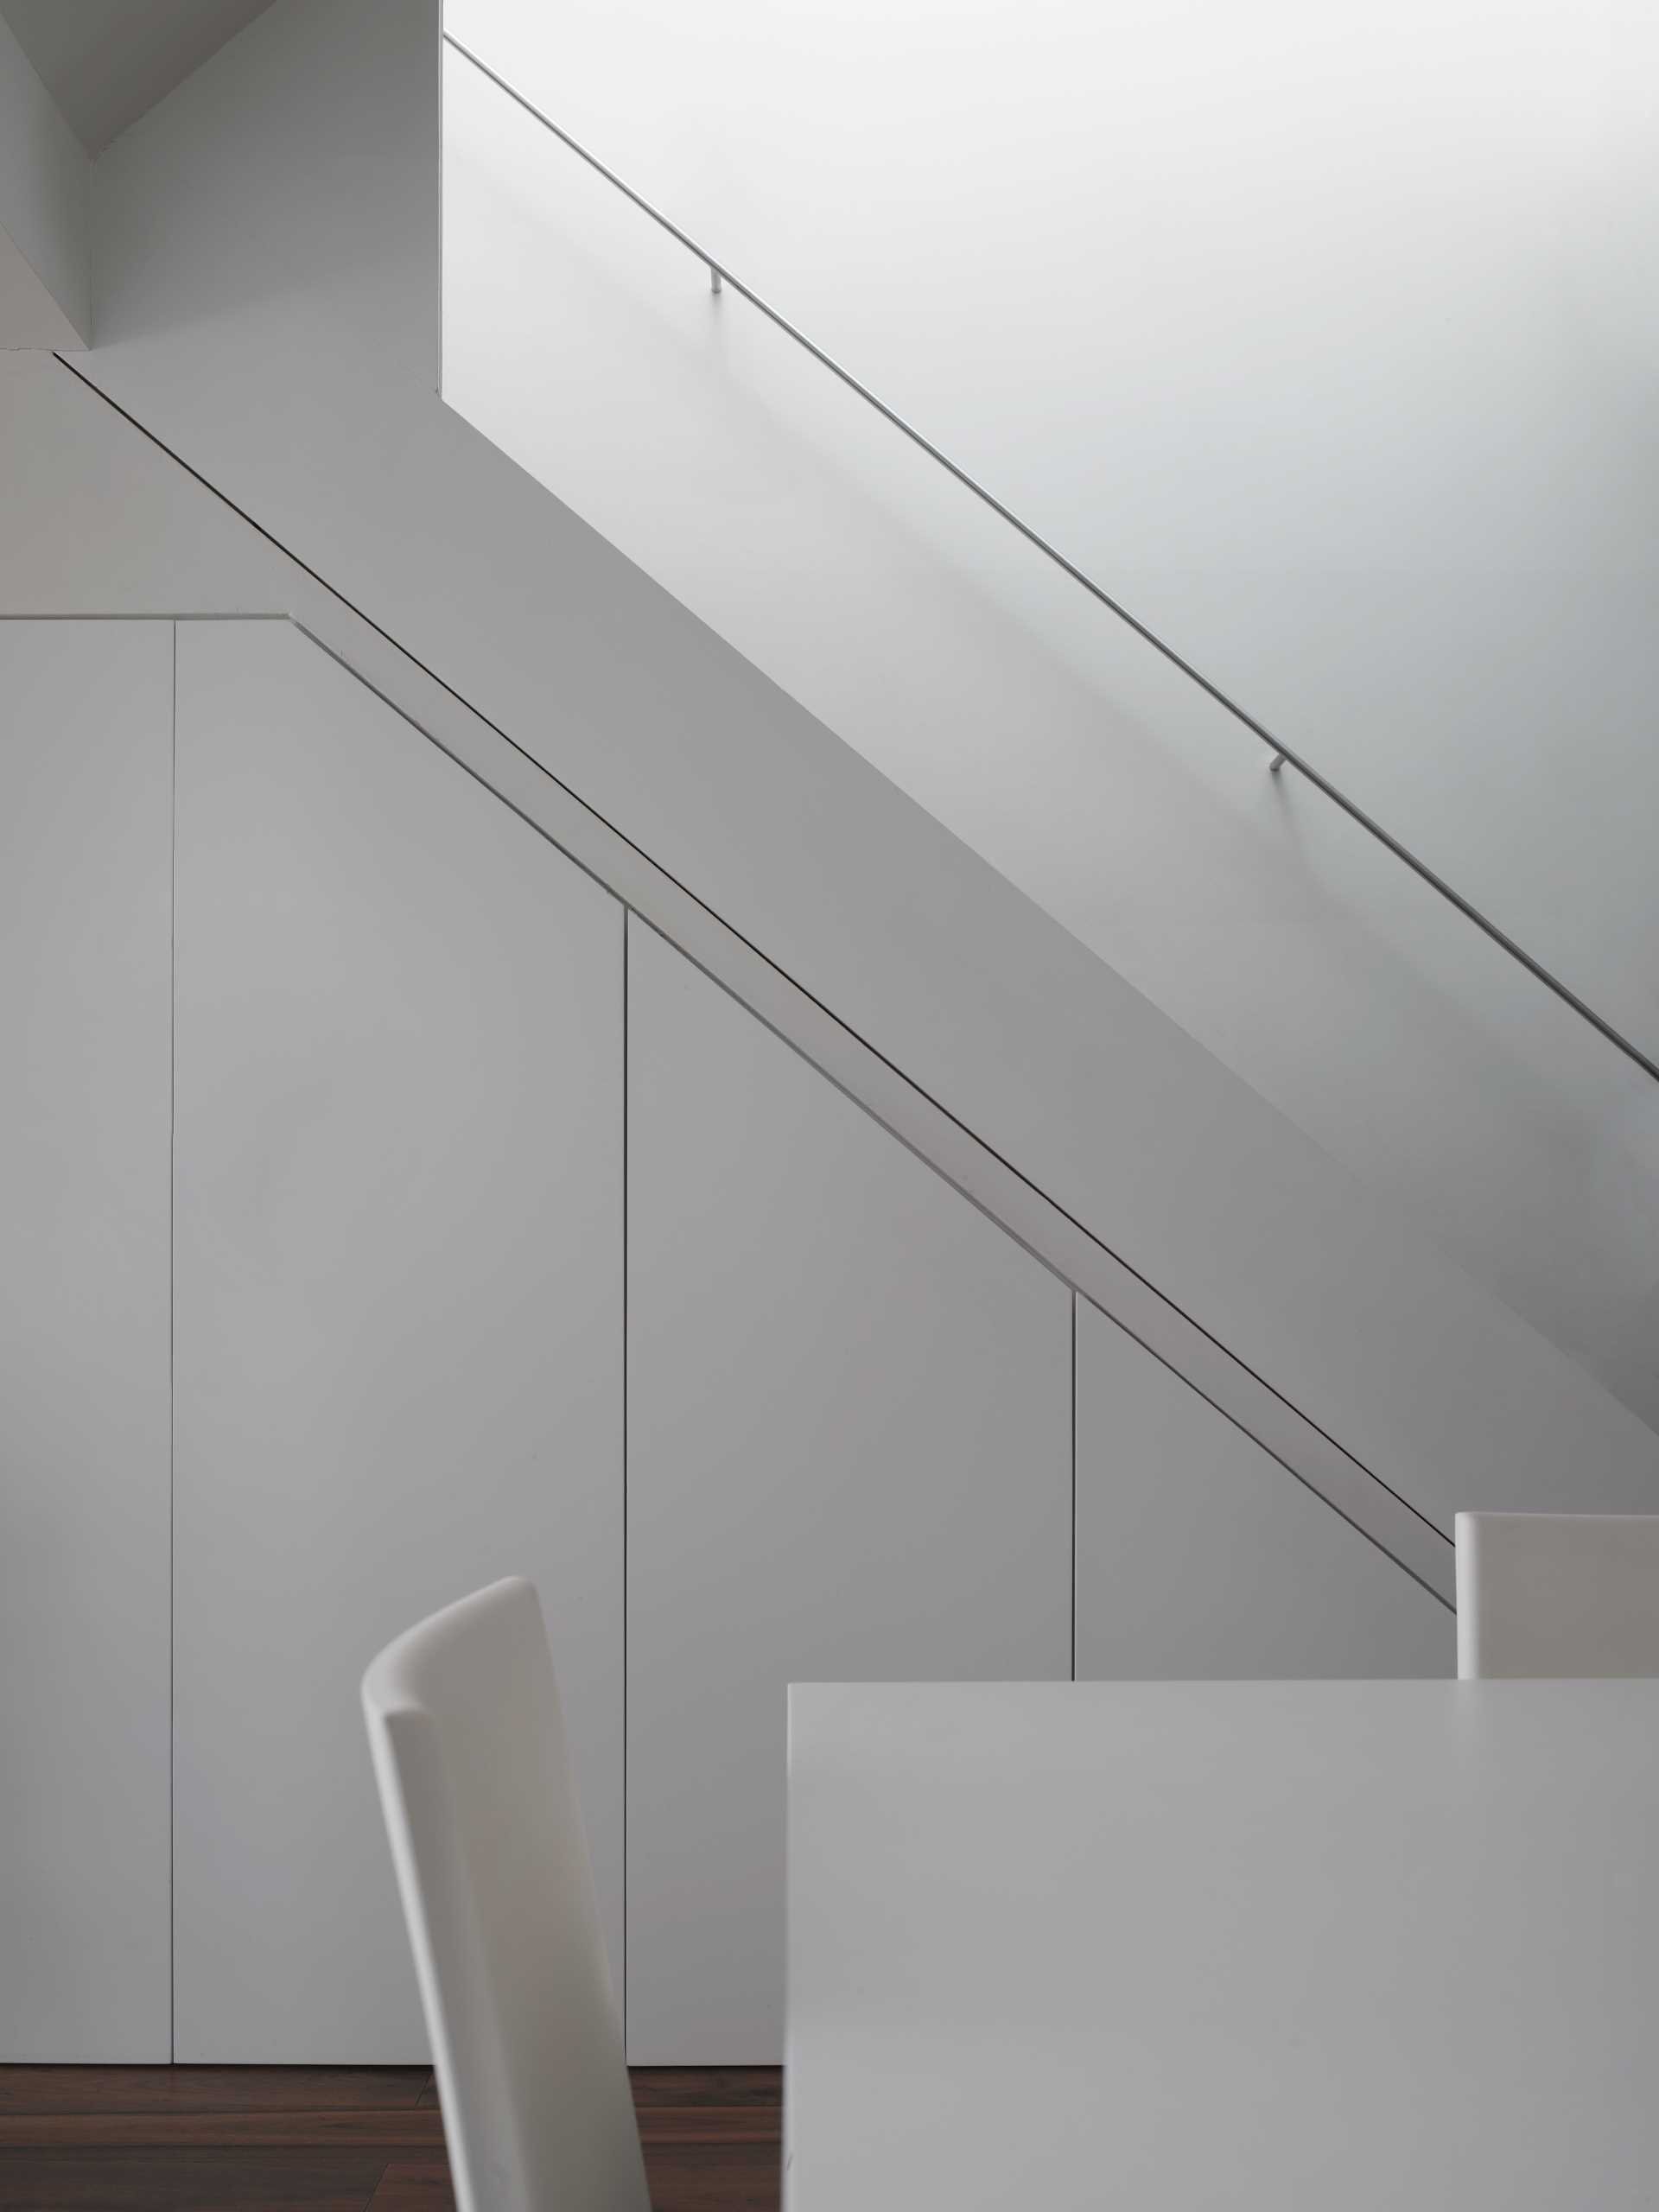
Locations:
column 86, row 832
column 1199, row 1557
column 398, row 1356
column 849, row 1459
column 387, row 1212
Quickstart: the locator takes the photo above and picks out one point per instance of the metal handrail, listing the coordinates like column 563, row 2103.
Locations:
column 720, row 276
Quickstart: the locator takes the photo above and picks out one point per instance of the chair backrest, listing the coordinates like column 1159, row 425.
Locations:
column 1557, row 1593
column 487, row 1836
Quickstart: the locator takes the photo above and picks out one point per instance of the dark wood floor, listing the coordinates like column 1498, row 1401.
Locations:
column 290, row 2138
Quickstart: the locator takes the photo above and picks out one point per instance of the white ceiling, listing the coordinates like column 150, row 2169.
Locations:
column 106, row 61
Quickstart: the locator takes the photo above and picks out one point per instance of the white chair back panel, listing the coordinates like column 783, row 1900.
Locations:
column 491, row 1860
column 1557, row 1593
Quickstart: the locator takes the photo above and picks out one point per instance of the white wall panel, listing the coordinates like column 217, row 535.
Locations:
column 1198, row 1555
column 86, row 743
column 849, row 1458
column 399, row 1325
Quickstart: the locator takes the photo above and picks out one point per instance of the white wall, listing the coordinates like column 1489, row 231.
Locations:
column 1045, row 734
column 1323, row 335
column 269, row 308
column 45, row 264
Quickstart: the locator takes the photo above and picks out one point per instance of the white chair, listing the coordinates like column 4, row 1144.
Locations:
column 1557, row 1593
column 486, row 1835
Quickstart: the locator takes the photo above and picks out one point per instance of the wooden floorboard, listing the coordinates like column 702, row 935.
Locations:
column 269, row 2129
column 248, row 2138
column 200, row 2181
column 210, row 2088
column 414, row 2185
column 708, row 2085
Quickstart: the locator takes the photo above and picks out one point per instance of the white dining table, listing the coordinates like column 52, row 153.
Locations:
column 1183, row 1947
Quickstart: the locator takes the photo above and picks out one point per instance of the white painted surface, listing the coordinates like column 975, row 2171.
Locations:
column 849, row 1451
column 398, row 1351
column 85, row 834
column 100, row 521
column 1199, row 1556
column 1324, row 337
column 1264, row 1945
column 45, row 267
column 29, row 316
column 1558, row 1593
column 106, row 61
column 1048, row 736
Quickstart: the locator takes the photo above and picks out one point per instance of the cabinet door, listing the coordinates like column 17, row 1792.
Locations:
column 1199, row 1556
column 848, row 1458
column 399, row 1310
column 85, row 836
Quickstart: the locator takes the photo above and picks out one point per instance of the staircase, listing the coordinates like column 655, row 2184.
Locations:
column 274, row 320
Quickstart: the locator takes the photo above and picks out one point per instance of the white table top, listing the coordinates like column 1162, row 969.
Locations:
column 1305, row 1947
